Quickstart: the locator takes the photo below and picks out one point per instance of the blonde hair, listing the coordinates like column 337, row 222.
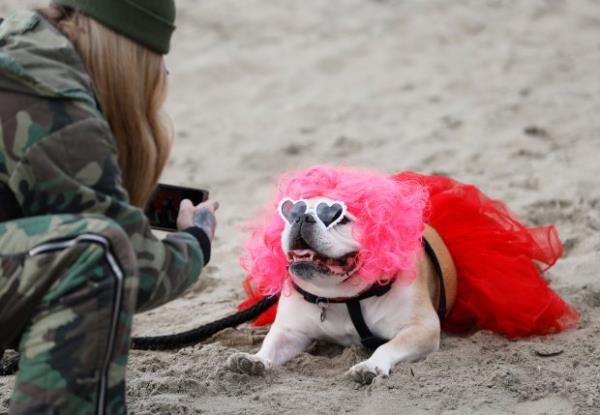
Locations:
column 130, row 84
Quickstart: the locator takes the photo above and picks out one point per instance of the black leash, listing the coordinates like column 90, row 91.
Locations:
column 187, row 338
column 9, row 366
column 179, row 340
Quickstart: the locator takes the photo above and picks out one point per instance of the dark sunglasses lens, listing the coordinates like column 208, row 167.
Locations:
column 293, row 211
column 329, row 214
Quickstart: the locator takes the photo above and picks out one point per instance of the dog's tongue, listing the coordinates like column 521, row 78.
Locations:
column 343, row 266
column 336, row 269
column 303, row 254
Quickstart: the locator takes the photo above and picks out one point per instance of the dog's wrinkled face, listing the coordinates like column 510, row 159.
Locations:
column 318, row 240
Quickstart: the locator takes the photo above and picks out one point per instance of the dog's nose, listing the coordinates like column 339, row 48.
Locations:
column 309, row 219
column 298, row 244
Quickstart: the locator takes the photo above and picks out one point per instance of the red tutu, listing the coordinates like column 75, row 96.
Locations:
column 254, row 296
column 499, row 263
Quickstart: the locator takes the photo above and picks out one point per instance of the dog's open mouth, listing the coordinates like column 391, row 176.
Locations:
column 345, row 265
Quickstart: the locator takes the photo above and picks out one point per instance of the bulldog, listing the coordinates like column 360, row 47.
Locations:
column 356, row 261
column 322, row 252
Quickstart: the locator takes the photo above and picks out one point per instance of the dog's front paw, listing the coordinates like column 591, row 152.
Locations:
column 248, row 363
column 365, row 372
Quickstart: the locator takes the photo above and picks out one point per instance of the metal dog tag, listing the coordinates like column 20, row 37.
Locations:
column 323, row 306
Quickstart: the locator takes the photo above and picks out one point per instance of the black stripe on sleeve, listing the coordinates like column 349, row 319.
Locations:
column 202, row 239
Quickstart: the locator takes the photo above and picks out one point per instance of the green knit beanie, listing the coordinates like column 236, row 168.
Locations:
column 147, row 22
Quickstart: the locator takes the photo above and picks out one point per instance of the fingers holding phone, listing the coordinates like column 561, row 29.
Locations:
column 174, row 208
column 201, row 215
column 162, row 209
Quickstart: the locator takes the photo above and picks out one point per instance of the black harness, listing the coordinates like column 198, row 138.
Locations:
column 367, row 338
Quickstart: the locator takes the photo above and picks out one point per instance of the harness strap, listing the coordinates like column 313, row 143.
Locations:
column 367, row 338
column 441, row 311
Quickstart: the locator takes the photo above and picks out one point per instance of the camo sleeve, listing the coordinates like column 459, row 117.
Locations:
column 74, row 169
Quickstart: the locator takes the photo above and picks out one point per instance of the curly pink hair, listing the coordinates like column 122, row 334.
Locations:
column 389, row 224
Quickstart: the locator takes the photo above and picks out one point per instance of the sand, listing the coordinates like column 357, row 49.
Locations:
column 502, row 94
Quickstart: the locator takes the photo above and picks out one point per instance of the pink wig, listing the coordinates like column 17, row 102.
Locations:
column 389, row 224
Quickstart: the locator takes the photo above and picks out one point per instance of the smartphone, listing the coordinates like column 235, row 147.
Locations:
column 163, row 207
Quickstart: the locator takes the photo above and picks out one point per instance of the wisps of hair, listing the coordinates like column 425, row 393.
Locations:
column 130, row 84
column 389, row 224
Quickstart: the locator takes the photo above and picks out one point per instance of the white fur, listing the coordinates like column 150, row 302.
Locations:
column 414, row 334
column 405, row 315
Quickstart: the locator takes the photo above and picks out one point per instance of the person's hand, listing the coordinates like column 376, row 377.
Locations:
column 202, row 216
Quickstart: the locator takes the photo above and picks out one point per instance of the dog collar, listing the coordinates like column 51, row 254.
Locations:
column 367, row 338
column 375, row 290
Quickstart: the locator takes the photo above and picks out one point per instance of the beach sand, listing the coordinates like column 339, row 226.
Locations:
column 501, row 94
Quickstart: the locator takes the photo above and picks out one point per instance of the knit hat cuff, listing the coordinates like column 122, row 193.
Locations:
column 128, row 19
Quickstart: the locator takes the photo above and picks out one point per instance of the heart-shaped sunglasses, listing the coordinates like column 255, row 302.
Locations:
column 330, row 214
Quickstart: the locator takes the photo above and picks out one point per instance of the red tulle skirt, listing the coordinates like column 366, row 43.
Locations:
column 499, row 263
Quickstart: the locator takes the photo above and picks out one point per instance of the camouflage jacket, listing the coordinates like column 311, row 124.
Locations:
column 58, row 154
